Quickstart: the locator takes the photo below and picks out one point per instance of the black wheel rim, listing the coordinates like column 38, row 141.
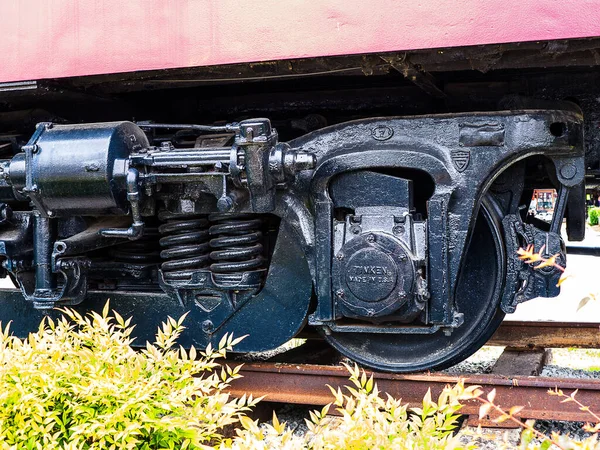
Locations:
column 477, row 296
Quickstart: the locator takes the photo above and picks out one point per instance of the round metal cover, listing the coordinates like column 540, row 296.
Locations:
column 373, row 276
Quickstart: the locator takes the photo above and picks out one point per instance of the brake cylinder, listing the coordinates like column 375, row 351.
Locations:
column 77, row 169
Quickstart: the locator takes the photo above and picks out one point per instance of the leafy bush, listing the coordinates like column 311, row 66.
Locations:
column 78, row 384
column 367, row 422
column 593, row 214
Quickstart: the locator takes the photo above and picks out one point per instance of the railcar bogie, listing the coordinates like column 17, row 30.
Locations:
column 384, row 216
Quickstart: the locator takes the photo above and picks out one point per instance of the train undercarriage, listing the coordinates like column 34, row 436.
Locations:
column 381, row 207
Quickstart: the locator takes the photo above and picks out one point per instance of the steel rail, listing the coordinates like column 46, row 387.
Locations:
column 521, row 334
column 308, row 384
column 289, row 382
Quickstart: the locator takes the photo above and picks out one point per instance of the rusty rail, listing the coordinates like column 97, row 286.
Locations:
column 288, row 379
column 307, row 384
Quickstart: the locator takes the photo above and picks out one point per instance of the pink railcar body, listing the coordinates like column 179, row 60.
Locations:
column 65, row 38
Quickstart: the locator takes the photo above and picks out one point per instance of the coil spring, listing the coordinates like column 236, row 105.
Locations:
column 141, row 251
column 185, row 245
column 236, row 243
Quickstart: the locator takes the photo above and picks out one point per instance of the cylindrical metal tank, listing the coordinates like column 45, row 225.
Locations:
column 79, row 169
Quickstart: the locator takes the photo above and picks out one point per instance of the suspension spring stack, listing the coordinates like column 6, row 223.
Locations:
column 227, row 245
column 185, row 246
column 236, row 245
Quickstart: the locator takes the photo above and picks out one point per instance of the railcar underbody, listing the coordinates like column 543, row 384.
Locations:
column 378, row 199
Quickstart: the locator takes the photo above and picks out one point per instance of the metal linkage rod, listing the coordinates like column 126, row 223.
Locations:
column 174, row 126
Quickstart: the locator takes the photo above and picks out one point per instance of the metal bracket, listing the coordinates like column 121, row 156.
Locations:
column 523, row 281
column 74, row 287
column 256, row 138
column 31, row 189
column 415, row 74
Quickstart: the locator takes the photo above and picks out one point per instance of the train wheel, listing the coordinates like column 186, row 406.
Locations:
column 477, row 296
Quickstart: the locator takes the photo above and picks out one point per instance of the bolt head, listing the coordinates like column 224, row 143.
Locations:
column 568, row 171
column 371, row 238
column 398, row 229
column 225, row 203
column 207, row 326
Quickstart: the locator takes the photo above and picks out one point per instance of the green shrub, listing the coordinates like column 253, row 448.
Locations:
column 78, row 384
column 593, row 214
